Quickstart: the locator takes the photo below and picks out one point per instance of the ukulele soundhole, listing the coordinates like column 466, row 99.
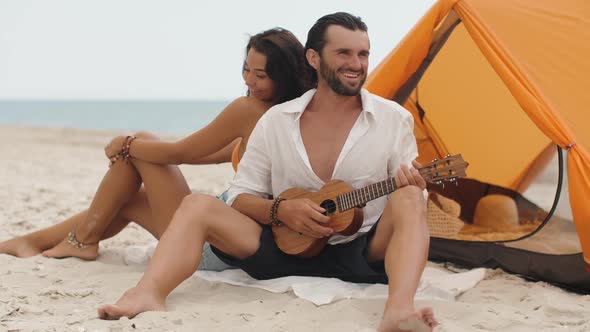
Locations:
column 330, row 207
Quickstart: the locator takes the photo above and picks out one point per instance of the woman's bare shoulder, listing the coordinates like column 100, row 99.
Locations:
column 249, row 104
column 240, row 116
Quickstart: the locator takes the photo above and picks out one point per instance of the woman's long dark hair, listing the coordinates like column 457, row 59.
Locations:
column 285, row 62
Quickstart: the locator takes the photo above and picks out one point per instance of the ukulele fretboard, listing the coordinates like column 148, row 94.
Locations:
column 360, row 197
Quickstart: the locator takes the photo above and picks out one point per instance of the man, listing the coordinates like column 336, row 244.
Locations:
column 338, row 131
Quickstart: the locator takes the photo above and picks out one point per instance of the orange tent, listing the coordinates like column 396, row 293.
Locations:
column 499, row 81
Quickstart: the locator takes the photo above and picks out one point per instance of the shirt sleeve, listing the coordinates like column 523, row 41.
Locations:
column 253, row 175
column 405, row 149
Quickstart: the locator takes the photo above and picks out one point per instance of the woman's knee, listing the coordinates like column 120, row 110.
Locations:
column 146, row 135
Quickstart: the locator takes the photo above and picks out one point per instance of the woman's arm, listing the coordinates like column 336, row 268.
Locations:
column 221, row 156
column 213, row 143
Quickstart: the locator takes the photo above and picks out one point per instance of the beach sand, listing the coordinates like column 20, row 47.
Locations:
column 49, row 174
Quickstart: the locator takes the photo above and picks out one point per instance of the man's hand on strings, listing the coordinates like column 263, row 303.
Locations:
column 409, row 176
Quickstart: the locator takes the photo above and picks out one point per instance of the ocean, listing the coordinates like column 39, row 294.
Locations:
column 159, row 116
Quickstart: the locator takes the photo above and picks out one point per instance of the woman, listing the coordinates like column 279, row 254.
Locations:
column 274, row 72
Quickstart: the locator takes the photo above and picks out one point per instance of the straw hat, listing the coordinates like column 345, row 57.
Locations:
column 443, row 216
column 497, row 212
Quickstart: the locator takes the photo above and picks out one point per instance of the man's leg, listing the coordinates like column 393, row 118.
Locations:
column 199, row 218
column 401, row 240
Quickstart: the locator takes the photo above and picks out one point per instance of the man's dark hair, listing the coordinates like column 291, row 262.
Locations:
column 285, row 62
column 316, row 37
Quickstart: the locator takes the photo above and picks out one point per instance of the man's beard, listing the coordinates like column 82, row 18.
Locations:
column 329, row 75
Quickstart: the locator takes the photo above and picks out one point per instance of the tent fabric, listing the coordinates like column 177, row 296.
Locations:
column 567, row 271
column 538, row 50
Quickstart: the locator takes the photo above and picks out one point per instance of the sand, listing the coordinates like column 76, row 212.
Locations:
column 48, row 174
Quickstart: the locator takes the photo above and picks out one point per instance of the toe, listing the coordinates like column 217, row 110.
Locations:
column 110, row 312
column 102, row 314
column 47, row 253
column 414, row 324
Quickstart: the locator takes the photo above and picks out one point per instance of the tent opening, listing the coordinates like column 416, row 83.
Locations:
column 501, row 84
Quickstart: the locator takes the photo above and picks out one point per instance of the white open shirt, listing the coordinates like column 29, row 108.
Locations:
column 275, row 160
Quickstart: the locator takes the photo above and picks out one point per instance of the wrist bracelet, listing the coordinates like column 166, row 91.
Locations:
column 128, row 141
column 274, row 221
column 124, row 154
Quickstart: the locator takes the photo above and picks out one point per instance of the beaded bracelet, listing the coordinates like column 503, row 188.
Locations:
column 124, row 154
column 128, row 141
column 273, row 211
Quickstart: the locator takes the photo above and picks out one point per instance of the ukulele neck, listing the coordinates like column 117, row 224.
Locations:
column 360, row 197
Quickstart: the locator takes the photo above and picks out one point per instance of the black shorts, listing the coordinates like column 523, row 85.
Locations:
column 346, row 261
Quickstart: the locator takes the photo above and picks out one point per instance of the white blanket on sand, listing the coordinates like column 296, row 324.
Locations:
column 436, row 284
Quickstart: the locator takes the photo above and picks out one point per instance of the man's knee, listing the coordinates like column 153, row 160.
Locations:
column 410, row 197
column 197, row 208
column 408, row 201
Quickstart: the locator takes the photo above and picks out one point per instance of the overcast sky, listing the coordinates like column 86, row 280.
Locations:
column 168, row 49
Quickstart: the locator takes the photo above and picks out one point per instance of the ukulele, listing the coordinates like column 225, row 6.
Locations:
column 343, row 204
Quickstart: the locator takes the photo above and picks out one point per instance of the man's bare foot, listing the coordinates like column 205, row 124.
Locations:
column 408, row 320
column 19, row 247
column 65, row 249
column 132, row 303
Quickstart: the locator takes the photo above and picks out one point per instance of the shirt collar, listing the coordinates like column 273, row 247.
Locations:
column 301, row 103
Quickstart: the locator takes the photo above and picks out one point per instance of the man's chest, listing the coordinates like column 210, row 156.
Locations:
column 359, row 156
column 324, row 141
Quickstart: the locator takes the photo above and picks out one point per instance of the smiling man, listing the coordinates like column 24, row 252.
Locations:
column 337, row 131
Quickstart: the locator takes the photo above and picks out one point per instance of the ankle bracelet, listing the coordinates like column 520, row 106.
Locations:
column 72, row 240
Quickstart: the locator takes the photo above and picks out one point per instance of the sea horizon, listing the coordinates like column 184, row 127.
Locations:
column 160, row 116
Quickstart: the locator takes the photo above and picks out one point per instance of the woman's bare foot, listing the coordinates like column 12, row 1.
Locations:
column 132, row 303
column 19, row 247
column 408, row 320
column 65, row 249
